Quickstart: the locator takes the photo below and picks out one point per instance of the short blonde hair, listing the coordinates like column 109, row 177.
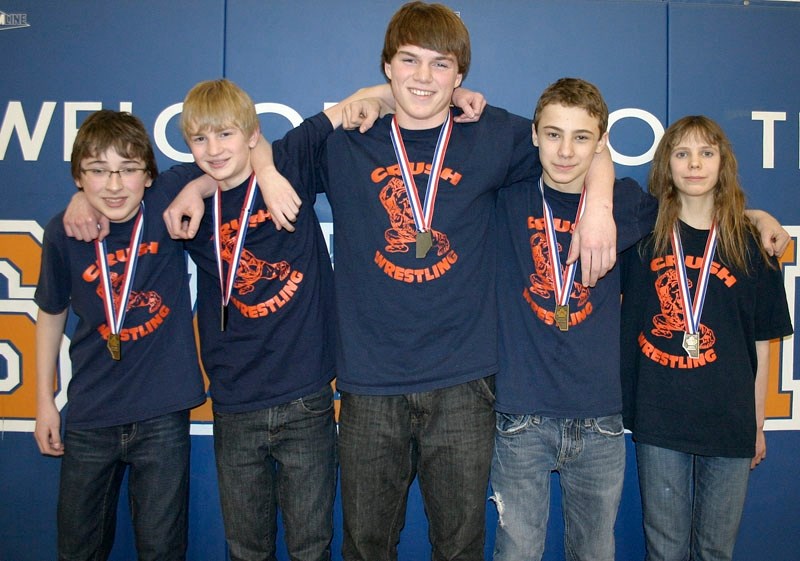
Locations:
column 215, row 105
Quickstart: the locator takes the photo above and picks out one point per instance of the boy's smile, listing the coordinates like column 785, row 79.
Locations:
column 116, row 197
column 224, row 154
column 422, row 83
column 568, row 138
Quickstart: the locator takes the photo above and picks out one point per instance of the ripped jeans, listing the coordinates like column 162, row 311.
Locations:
column 589, row 456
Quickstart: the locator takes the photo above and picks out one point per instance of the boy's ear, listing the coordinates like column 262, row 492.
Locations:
column 601, row 144
column 78, row 184
column 149, row 181
column 534, row 136
column 387, row 71
column 459, row 79
column 254, row 137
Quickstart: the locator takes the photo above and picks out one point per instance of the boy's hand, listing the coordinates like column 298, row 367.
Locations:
column 82, row 221
column 471, row 103
column 773, row 237
column 761, row 449
column 363, row 113
column 184, row 214
column 281, row 199
column 48, row 431
column 595, row 243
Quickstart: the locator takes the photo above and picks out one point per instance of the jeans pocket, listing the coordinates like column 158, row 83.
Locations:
column 319, row 402
column 509, row 425
column 610, row 426
column 484, row 387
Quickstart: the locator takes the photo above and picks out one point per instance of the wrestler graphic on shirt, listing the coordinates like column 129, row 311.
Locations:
column 542, row 280
column 672, row 317
column 394, row 199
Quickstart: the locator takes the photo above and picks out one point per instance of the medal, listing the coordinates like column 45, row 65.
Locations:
column 563, row 277
column 223, row 317
column 115, row 309
column 226, row 283
column 691, row 344
column 114, row 346
column 424, row 243
column 693, row 308
column 562, row 317
column 422, row 212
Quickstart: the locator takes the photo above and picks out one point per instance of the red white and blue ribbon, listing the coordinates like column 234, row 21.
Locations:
column 693, row 308
column 115, row 313
column 562, row 277
column 422, row 212
column 226, row 283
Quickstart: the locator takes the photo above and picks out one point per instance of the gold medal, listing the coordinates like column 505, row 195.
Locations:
column 114, row 346
column 562, row 317
column 424, row 243
column 691, row 344
column 223, row 317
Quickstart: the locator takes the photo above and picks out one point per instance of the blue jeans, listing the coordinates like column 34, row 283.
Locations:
column 589, row 456
column 443, row 436
column 281, row 457
column 691, row 505
column 92, row 468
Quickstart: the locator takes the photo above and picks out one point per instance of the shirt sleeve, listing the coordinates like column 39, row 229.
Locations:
column 299, row 153
column 170, row 182
column 772, row 310
column 53, row 290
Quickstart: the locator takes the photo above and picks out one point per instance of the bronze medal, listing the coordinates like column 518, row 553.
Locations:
column 114, row 346
column 562, row 317
column 691, row 344
column 223, row 317
column 424, row 243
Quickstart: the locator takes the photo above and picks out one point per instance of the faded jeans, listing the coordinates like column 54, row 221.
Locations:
column 589, row 456
column 691, row 505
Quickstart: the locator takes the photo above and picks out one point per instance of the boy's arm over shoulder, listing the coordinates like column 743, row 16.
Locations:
column 49, row 330
column 773, row 237
column 595, row 237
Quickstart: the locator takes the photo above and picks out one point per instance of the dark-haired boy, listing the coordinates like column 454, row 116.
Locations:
column 415, row 294
column 558, row 388
column 134, row 367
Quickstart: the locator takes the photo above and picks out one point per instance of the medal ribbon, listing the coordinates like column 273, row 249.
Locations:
column 562, row 278
column 692, row 310
column 115, row 315
column 423, row 215
column 226, row 284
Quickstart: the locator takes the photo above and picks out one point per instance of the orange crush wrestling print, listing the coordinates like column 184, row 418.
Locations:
column 541, row 280
column 252, row 270
column 402, row 233
column 671, row 318
column 138, row 299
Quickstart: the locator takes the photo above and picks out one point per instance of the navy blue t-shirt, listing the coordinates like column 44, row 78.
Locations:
column 544, row 371
column 407, row 324
column 706, row 405
column 279, row 341
column 158, row 372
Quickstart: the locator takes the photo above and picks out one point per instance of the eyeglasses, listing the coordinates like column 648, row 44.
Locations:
column 100, row 174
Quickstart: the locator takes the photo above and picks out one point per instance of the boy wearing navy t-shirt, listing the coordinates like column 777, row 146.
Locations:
column 135, row 372
column 265, row 316
column 413, row 209
column 558, row 388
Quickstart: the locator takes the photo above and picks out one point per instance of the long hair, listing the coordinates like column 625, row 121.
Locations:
column 733, row 226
